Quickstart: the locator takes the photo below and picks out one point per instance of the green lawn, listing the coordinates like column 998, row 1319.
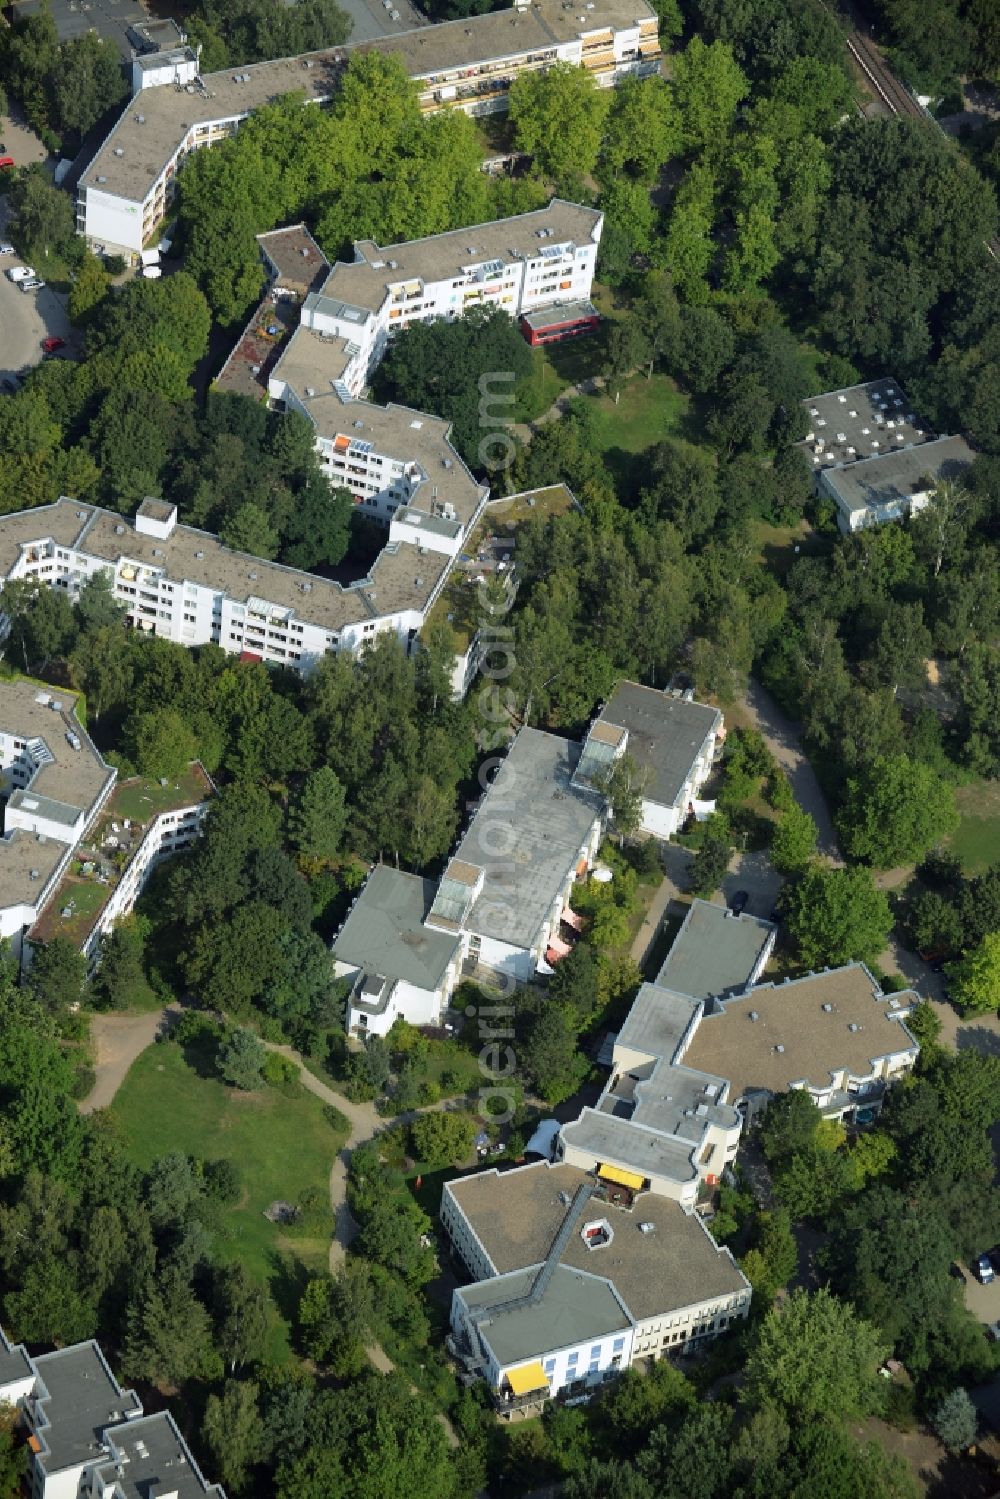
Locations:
column 649, row 411
column 977, row 838
column 280, row 1145
column 777, row 544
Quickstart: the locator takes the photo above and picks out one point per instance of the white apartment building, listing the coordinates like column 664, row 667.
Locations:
column 87, row 1437
column 519, row 264
column 499, row 903
column 184, row 585
column 574, row 1280
column 469, row 64
column 673, row 741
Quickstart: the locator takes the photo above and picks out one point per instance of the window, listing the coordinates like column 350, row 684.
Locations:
column 618, row 1345
column 574, row 1358
column 550, row 1365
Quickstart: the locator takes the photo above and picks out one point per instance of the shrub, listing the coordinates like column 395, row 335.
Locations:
column 281, row 1072
column 222, row 1181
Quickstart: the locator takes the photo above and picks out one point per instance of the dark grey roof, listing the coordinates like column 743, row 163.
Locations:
column 574, row 1306
column 893, row 479
column 526, row 836
column 624, row 1142
column 14, row 1362
column 557, row 313
column 151, row 1458
column 385, row 932
column 665, row 735
column 111, row 19
column 714, row 953
column 80, row 1401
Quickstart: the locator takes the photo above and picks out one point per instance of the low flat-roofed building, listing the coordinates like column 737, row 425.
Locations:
column 293, row 260
column 641, row 1255
column 400, row 965
column 902, row 483
column 833, row 1033
column 149, row 1459
column 672, row 741
column 717, row 954
column 873, row 455
column 559, row 321
column 534, row 833
column 651, row 1160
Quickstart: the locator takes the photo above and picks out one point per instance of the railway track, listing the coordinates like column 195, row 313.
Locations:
column 897, row 99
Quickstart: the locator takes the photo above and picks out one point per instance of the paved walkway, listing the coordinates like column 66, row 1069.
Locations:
column 118, row 1040
column 781, row 735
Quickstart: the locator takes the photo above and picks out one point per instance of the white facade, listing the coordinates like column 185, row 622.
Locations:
column 193, row 590
column 167, row 834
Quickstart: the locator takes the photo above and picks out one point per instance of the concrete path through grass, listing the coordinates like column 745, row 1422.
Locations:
column 118, row 1041
column 781, row 735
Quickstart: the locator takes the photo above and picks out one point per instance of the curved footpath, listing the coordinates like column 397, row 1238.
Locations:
column 120, row 1039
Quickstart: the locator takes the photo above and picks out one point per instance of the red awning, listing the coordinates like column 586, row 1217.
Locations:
column 572, row 919
column 557, row 946
column 250, row 656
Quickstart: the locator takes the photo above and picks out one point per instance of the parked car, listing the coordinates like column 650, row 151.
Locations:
column 6, row 161
column 6, row 248
column 739, row 902
column 20, row 273
column 983, row 1268
column 34, row 283
column 50, row 345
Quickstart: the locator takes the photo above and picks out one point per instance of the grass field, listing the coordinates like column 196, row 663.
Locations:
column 976, row 841
column 280, row 1145
column 648, row 412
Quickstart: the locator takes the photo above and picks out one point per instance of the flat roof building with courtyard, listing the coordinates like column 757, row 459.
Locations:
column 467, row 64
column 874, row 456
column 575, row 1278
column 672, row 740
column 88, row 1435
column 185, row 585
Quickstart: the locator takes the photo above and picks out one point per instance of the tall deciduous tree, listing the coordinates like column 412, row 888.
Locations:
column 834, row 916
column 895, row 811
column 558, row 117
column 816, row 1359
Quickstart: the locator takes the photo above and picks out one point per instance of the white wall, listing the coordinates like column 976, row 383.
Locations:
column 418, row 1006
column 113, row 221
column 661, row 822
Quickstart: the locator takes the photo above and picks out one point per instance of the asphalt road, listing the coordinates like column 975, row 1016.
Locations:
column 26, row 317
column 782, row 738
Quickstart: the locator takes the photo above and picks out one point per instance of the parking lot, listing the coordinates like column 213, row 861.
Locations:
column 26, row 317
column 983, row 1301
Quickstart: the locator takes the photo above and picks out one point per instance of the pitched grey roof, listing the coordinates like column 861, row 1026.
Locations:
column 665, row 735
column 714, row 953
column 575, row 1306
column 385, row 932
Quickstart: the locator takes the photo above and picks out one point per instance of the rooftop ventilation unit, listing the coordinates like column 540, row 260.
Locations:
column 252, row 577
column 828, row 1009
column 647, row 1228
column 854, row 1026
column 754, row 1015
column 119, row 151
column 119, row 530
column 780, row 1049
column 360, row 426
column 200, row 556
column 310, row 391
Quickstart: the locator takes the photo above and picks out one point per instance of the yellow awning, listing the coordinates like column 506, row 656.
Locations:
column 527, row 1377
column 623, row 1178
